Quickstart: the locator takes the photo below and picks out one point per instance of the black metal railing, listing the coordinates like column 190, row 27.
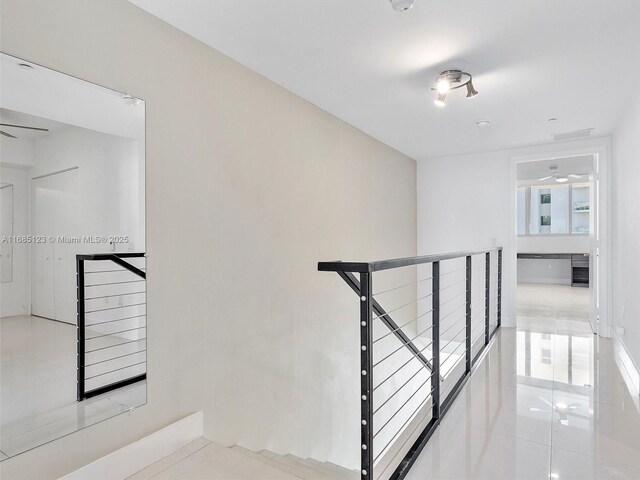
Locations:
column 445, row 309
column 112, row 322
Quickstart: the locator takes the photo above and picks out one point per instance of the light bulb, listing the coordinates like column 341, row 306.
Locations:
column 562, row 179
column 471, row 92
column 443, row 86
column 440, row 99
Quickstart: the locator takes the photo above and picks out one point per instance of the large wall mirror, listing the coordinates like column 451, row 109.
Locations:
column 73, row 322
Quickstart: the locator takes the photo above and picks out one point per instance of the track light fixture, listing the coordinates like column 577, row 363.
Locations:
column 452, row 80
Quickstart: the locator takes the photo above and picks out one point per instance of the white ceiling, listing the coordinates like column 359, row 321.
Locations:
column 529, row 172
column 47, row 94
column 576, row 60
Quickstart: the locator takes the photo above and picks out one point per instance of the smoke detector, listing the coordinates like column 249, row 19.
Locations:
column 402, row 5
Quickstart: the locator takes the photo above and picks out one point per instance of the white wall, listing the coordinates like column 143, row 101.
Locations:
column 626, row 228
column 108, row 180
column 15, row 296
column 553, row 244
column 16, row 152
column 464, row 203
column 551, row 271
column 16, row 156
column 248, row 186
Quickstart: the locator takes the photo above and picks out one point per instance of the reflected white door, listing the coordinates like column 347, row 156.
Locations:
column 54, row 215
column 6, row 230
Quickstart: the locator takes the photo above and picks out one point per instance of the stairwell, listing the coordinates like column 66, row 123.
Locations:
column 207, row 460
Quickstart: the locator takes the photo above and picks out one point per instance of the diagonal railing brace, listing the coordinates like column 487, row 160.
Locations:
column 353, row 282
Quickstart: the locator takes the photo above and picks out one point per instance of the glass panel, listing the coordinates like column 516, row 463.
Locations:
column 560, row 209
column 549, row 210
column 580, row 208
column 537, row 210
column 521, row 206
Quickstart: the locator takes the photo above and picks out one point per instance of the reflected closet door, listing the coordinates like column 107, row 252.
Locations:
column 54, row 207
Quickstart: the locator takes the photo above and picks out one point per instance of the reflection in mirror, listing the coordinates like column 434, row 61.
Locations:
column 73, row 323
column 6, row 230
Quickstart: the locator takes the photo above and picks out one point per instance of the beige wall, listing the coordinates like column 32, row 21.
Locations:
column 248, row 186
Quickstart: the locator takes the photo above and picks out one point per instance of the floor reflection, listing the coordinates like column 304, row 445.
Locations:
column 38, row 386
column 549, row 400
column 562, row 358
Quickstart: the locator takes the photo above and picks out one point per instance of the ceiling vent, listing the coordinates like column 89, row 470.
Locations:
column 571, row 135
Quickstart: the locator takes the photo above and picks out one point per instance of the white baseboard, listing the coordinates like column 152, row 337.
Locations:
column 628, row 368
column 140, row 454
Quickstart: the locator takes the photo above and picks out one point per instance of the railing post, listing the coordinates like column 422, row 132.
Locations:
column 366, row 377
column 80, row 330
column 435, row 331
column 468, row 286
column 499, row 288
column 487, row 298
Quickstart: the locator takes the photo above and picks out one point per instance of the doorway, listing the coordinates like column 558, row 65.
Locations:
column 559, row 232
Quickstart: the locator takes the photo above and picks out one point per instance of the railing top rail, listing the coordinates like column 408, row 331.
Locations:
column 108, row 256
column 369, row 267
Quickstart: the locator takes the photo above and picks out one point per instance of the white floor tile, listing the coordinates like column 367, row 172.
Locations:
column 548, row 401
column 604, row 431
column 38, row 385
column 473, row 453
column 566, row 465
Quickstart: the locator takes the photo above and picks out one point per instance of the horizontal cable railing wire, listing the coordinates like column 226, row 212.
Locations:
column 112, row 322
column 438, row 340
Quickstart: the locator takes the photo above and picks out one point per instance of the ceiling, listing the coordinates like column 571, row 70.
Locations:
column 19, row 118
column 529, row 172
column 47, row 94
column 575, row 60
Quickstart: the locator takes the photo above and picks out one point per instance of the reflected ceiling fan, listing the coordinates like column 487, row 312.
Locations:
column 555, row 175
column 2, row 132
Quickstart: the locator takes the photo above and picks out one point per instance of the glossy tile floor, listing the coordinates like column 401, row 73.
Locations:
column 549, row 401
column 38, row 386
column 541, row 302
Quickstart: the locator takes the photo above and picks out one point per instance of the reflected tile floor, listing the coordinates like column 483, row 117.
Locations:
column 38, row 386
column 547, row 402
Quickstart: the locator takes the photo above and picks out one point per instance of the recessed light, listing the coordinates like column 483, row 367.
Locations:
column 483, row 123
column 25, row 66
column 402, row 5
column 555, row 476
